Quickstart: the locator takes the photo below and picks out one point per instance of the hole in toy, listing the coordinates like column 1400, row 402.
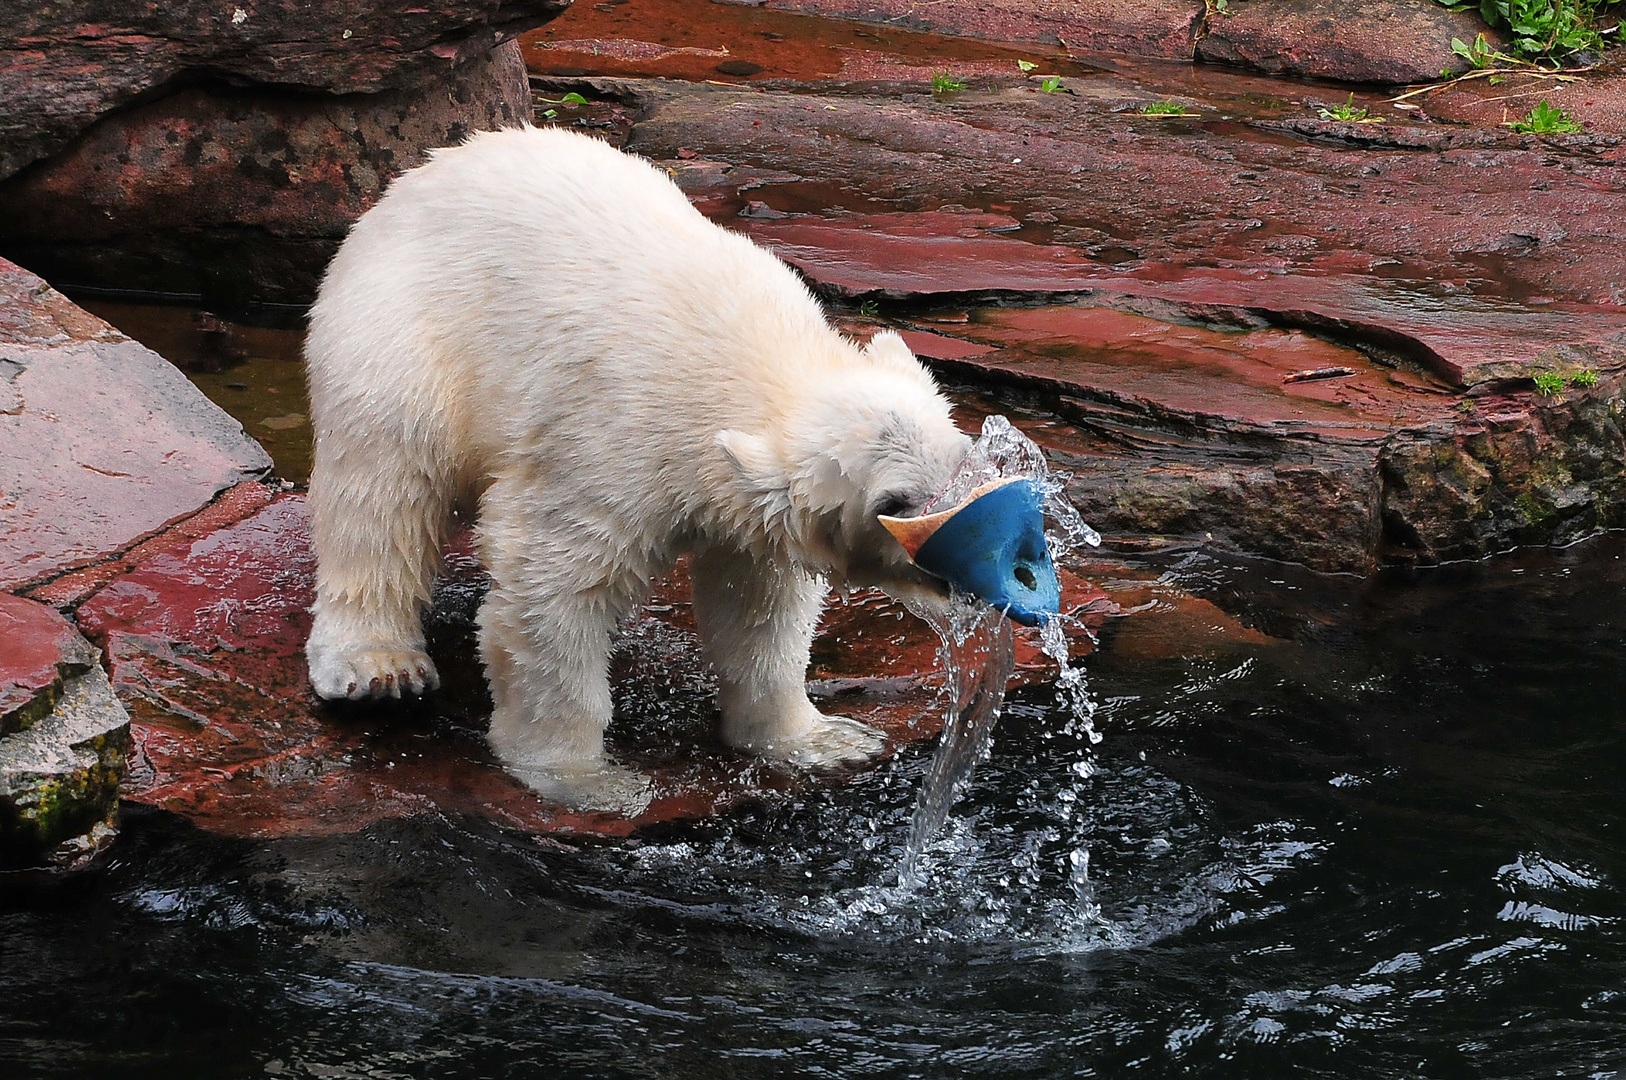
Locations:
column 1025, row 576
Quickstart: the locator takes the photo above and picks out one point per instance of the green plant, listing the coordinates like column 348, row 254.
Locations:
column 944, row 83
column 1163, row 108
column 869, row 307
column 1465, row 407
column 571, row 98
column 1051, row 84
column 1026, row 65
column 1549, row 384
column 1585, row 377
column 1349, row 112
column 1546, row 119
column 1480, row 54
column 1541, row 27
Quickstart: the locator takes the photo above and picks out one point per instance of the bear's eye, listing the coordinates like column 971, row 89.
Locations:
column 893, row 504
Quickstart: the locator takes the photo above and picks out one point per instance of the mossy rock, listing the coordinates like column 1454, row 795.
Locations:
column 59, row 779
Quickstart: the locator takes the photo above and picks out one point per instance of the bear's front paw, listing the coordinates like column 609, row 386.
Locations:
column 604, row 786
column 371, row 673
column 827, row 742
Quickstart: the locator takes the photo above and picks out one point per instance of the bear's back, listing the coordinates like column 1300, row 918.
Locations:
column 538, row 292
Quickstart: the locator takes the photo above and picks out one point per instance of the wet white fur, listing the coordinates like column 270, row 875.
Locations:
column 538, row 327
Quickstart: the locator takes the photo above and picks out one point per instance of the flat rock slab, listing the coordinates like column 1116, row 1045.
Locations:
column 105, row 441
column 1372, row 41
column 205, row 644
column 59, row 779
column 39, row 650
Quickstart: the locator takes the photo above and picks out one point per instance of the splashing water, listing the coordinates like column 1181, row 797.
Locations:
column 977, row 650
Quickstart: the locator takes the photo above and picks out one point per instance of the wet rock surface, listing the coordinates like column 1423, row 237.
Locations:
column 59, row 779
column 205, row 643
column 222, row 151
column 1160, row 28
column 42, row 649
column 105, row 440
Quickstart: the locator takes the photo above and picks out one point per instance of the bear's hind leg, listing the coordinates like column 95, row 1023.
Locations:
column 378, row 521
column 545, row 641
column 758, row 620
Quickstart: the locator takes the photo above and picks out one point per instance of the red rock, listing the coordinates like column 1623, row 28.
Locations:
column 675, row 39
column 1159, row 28
column 925, row 257
column 239, row 198
column 38, row 650
column 1392, row 42
column 105, row 441
column 65, row 65
column 205, row 644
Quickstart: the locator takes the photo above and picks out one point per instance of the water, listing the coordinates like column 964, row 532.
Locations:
column 978, row 647
column 1383, row 842
column 978, row 654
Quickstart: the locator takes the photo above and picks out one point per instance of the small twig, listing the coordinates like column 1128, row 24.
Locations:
column 1319, row 373
column 1485, row 73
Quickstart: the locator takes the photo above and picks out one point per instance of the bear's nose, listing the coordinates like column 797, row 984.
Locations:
column 991, row 546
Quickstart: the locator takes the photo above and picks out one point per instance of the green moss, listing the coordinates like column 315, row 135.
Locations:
column 60, row 808
column 1534, row 510
column 36, row 710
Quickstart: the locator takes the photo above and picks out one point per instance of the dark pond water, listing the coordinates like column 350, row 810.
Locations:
column 1387, row 846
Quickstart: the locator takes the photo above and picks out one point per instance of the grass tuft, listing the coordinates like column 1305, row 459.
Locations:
column 1546, row 119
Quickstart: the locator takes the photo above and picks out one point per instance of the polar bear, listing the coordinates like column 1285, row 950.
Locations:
column 541, row 329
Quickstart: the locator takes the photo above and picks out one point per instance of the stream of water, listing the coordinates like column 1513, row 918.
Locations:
column 977, row 653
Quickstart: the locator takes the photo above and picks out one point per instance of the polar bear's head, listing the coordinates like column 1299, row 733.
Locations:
column 868, row 439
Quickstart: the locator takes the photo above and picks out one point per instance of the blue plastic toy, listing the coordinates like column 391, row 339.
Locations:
column 991, row 546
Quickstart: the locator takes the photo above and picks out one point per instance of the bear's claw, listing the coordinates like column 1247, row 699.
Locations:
column 373, row 673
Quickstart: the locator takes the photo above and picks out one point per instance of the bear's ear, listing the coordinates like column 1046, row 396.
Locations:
column 888, row 349
column 758, row 467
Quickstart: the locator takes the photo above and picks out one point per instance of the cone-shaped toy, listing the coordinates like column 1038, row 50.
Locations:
column 991, row 546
